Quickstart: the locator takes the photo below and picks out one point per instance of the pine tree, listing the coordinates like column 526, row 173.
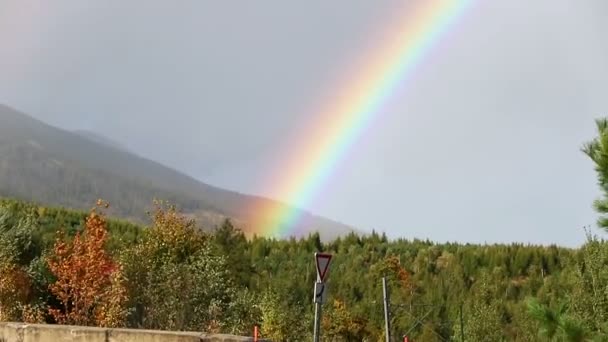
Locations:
column 597, row 150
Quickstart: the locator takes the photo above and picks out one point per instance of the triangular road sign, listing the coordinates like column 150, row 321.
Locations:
column 322, row 260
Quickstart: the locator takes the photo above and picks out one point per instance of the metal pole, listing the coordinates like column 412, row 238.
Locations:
column 317, row 321
column 387, row 315
column 322, row 262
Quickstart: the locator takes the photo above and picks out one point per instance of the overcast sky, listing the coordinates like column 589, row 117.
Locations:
column 482, row 145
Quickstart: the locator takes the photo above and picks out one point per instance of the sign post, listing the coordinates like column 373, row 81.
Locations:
column 322, row 262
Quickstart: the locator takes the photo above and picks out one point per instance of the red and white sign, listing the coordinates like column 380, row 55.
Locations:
column 322, row 260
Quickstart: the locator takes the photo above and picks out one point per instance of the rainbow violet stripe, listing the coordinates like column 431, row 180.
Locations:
column 334, row 130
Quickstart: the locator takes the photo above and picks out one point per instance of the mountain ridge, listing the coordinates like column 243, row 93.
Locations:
column 40, row 162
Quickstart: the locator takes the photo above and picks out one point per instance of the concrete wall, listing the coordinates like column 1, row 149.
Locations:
column 20, row 332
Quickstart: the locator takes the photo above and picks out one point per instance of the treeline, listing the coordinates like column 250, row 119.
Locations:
column 68, row 267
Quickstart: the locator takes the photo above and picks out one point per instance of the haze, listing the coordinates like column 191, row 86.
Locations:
column 482, row 145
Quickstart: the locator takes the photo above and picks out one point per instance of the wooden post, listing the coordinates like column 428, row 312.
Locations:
column 255, row 333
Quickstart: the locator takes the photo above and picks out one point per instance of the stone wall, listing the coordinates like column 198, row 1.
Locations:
column 20, row 332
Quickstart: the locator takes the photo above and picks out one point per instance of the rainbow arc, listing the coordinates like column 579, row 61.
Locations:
column 337, row 126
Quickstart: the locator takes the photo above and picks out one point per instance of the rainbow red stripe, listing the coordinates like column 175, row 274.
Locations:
column 335, row 129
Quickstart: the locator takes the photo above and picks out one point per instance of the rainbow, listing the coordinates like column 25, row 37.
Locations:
column 333, row 131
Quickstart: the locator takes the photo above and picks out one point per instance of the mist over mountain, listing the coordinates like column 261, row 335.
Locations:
column 48, row 165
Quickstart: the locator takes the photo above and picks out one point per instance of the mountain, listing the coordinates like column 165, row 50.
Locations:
column 42, row 163
column 100, row 139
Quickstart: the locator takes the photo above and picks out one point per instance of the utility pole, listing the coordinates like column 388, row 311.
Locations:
column 387, row 314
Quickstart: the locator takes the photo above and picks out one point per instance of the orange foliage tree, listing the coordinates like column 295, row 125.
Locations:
column 14, row 291
column 15, row 283
column 341, row 324
column 393, row 264
column 89, row 283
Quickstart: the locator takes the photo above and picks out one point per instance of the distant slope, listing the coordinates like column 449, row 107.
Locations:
column 100, row 139
column 42, row 163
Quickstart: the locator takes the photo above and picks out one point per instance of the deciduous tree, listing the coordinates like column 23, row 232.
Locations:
column 89, row 284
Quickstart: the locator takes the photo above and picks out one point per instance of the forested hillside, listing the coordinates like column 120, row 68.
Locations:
column 70, row 267
column 176, row 277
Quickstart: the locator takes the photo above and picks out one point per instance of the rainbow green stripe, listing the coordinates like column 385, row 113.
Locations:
column 335, row 129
